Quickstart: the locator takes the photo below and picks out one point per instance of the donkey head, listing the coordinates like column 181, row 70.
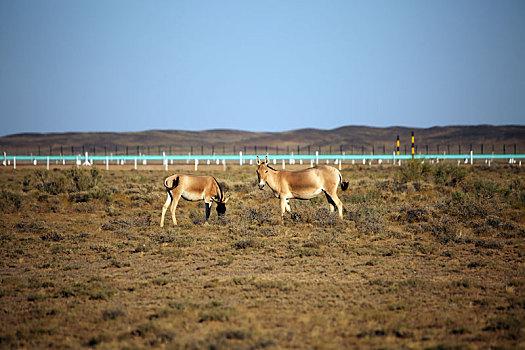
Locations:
column 262, row 171
column 221, row 206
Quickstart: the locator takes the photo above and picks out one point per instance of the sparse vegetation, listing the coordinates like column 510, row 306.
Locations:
column 413, row 170
column 428, row 256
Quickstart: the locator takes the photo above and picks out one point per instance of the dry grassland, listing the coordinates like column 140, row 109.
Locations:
column 425, row 258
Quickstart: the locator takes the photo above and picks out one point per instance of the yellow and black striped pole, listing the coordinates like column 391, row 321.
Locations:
column 412, row 144
column 397, row 146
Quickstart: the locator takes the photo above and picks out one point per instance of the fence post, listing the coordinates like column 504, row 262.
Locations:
column 86, row 161
column 471, row 157
column 316, row 157
column 284, row 164
column 107, row 163
column 47, row 163
column 196, row 164
column 240, row 157
column 14, row 162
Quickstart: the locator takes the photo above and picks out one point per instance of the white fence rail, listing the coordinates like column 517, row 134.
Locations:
column 243, row 159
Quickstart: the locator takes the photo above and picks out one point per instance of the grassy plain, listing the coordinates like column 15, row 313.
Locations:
column 426, row 257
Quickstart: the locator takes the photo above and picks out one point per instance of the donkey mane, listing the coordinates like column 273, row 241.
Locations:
column 220, row 189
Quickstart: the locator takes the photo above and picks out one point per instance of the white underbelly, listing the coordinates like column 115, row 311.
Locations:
column 191, row 196
column 307, row 195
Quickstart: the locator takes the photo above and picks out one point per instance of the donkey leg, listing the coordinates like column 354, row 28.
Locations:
column 207, row 207
column 283, row 205
column 164, row 209
column 331, row 203
column 339, row 205
column 288, row 209
column 174, row 204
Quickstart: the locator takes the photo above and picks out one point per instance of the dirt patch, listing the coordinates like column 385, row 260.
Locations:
column 404, row 269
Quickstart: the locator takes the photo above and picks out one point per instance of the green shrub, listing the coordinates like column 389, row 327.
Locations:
column 449, row 174
column 72, row 180
column 486, row 189
column 48, row 182
column 517, row 190
column 413, row 170
column 84, row 179
column 10, row 201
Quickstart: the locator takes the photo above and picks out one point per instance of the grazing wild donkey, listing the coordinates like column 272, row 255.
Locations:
column 193, row 188
column 302, row 184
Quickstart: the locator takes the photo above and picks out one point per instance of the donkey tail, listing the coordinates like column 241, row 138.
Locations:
column 344, row 184
column 174, row 184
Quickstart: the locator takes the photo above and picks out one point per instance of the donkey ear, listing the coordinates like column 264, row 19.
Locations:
column 266, row 160
column 258, row 161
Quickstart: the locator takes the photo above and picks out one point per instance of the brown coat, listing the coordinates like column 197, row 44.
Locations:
column 302, row 184
column 192, row 188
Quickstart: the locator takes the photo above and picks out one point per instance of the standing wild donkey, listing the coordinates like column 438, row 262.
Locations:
column 302, row 184
column 193, row 188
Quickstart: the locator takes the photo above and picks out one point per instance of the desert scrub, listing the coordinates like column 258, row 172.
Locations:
column 10, row 201
column 412, row 171
column 369, row 219
column 47, row 182
column 412, row 215
column 83, row 179
column 447, row 229
column 487, row 189
column 83, row 184
column 449, row 175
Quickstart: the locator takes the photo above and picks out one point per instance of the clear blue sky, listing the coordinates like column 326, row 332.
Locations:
column 267, row 65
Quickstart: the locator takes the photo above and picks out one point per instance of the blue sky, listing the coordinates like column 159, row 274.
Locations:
column 259, row 65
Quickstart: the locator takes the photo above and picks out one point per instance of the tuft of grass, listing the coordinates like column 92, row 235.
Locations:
column 52, row 236
column 246, row 243
column 274, row 284
column 215, row 315
column 160, row 281
column 112, row 314
column 448, row 174
column 413, row 171
column 101, row 295
column 143, row 329
column 510, row 324
column 10, row 201
column 489, row 244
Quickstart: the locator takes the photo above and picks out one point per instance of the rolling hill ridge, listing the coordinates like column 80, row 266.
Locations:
column 349, row 139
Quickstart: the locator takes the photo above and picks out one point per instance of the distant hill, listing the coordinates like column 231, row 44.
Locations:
column 349, row 139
